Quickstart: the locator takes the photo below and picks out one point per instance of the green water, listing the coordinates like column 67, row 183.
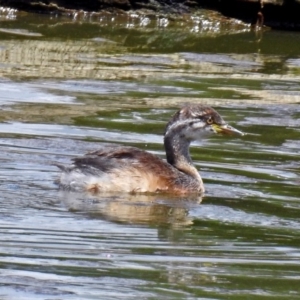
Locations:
column 72, row 84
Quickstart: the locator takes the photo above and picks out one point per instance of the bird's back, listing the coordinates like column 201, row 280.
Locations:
column 124, row 169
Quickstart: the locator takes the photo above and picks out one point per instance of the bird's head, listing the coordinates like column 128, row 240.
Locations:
column 193, row 121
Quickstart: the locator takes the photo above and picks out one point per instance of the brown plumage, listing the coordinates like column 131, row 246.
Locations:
column 129, row 169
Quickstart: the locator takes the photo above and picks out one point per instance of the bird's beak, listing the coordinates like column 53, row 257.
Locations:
column 226, row 129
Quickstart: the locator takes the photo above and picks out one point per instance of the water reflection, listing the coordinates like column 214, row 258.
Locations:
column 133, row 208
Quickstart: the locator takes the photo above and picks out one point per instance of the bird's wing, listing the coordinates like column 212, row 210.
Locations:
column 118, row 157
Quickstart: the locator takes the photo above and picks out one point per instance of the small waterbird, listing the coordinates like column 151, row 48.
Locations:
column 129, row 169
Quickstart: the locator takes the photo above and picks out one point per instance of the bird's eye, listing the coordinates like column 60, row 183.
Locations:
column 209, row 120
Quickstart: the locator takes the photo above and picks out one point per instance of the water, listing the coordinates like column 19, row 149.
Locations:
column 71, row 85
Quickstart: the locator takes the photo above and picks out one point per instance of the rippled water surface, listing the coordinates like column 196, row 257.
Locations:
column 71, row 85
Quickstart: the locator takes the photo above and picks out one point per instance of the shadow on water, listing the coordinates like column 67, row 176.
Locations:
column 69, row 87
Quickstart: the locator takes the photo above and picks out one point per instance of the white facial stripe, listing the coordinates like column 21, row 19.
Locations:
column 198, row 124
column 188, row 127
column 179, row 124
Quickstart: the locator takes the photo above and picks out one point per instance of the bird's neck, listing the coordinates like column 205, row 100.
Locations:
column 178, row 155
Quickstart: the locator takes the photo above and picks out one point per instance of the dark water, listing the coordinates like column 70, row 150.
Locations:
column 72, row 84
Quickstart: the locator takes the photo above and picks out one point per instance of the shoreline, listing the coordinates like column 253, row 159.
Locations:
column 276, row 14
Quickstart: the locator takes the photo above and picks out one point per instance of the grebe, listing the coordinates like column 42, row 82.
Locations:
column 129, row 169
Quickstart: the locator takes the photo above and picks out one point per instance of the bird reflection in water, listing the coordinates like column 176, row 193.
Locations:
column 133, row 208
